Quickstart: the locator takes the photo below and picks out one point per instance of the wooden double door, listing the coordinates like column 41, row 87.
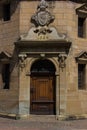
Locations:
column 42, row 95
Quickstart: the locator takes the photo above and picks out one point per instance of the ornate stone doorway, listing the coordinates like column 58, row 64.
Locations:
column 45, row 79
column 42, row 88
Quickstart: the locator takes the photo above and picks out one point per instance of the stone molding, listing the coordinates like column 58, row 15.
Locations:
column 82, row 57
column 82, row 10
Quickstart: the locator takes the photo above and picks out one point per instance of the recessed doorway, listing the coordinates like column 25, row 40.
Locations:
column 42, row 88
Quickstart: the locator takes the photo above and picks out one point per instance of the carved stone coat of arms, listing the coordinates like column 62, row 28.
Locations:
column 42, row 18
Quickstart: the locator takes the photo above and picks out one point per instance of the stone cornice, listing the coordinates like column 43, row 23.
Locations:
column 82, row 57
column 58, row 43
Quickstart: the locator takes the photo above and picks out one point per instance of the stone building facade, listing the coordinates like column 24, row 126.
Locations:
column 43, row 58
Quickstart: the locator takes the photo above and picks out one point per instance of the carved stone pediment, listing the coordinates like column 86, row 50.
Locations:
column 41, row 31
column 82, row 11
column 82, row 57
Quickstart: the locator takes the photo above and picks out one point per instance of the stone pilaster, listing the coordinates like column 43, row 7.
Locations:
column 57, row 94
column 62, row 84
column 24, row 99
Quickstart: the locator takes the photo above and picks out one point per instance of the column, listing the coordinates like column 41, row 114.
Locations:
column 24, row 91
column 62, row 85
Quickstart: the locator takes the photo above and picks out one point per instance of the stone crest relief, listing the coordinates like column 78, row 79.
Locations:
column 42, row 18
column 42, row 30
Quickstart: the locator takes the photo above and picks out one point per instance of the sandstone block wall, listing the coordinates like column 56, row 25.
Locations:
column 9, row 33
column 66, row 21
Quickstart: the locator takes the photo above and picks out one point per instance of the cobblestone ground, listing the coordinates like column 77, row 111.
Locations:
column 42, row 123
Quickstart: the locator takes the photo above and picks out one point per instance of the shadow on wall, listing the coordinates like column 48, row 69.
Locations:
column 14, row 60
column 14, row 4
column 79, row 1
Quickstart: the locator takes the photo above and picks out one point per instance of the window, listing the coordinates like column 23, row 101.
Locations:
column 81, row 76
column 6, row 75
column 6, row 12
column 81, row 27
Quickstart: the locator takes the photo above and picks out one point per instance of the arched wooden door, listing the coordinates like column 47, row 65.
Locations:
column 42, row 88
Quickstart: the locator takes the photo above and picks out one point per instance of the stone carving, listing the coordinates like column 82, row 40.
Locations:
column 42, row 31
column 61, row 59
column 22, row 58
column 42, row 18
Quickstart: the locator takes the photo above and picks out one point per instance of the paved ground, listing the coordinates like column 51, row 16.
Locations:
column 40, row 123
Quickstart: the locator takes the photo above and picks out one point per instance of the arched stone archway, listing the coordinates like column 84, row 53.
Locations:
column 32, row 60
column 25, row 85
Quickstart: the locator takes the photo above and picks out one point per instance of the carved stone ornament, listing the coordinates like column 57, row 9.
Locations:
column 42, row 31
column 61, row 59
column 42, row 17
column 22, row 58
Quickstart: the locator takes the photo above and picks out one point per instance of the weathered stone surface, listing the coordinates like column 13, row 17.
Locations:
column 69, row 99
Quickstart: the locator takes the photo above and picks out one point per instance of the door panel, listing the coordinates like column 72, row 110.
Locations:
column 42, row 95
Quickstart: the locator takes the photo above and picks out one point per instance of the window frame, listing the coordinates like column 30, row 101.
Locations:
column 6, row 12
column 81, row 58
column 6, row 75
column 82, row 29
column 81, row 76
